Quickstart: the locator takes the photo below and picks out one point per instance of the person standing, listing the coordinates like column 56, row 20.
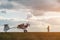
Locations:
column 48, row 28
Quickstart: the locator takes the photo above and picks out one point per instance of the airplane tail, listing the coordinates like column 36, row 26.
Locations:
column 6, row 27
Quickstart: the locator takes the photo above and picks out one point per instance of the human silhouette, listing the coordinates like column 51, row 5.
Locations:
column 48, row 28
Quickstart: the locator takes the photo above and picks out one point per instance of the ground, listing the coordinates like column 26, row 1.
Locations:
column 30, row 36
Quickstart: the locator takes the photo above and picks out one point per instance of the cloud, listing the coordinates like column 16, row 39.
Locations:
column 33, row 4
column 13, row 17
column 38, row 4
column 9, row 0
column 6, row 6
column 54, row 21
column 11, row 21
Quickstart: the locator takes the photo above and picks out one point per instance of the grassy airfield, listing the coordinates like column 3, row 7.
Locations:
column 30, row 36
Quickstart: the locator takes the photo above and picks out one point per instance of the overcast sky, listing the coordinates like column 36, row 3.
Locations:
column 20, row 8
column 16, row 11
column 10, row 8
column 34, row 4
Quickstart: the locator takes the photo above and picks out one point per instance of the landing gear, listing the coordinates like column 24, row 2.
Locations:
column 25, row 31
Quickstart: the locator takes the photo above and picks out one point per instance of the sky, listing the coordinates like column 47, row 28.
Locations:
column 35, row 5
column 13, row 12
column 31, row 4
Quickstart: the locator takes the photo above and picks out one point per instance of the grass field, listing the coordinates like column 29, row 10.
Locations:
column 30, row 36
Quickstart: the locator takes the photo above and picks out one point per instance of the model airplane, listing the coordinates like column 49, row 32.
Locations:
column 20, row 26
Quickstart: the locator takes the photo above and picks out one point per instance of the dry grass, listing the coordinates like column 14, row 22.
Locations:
column 30, row 36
